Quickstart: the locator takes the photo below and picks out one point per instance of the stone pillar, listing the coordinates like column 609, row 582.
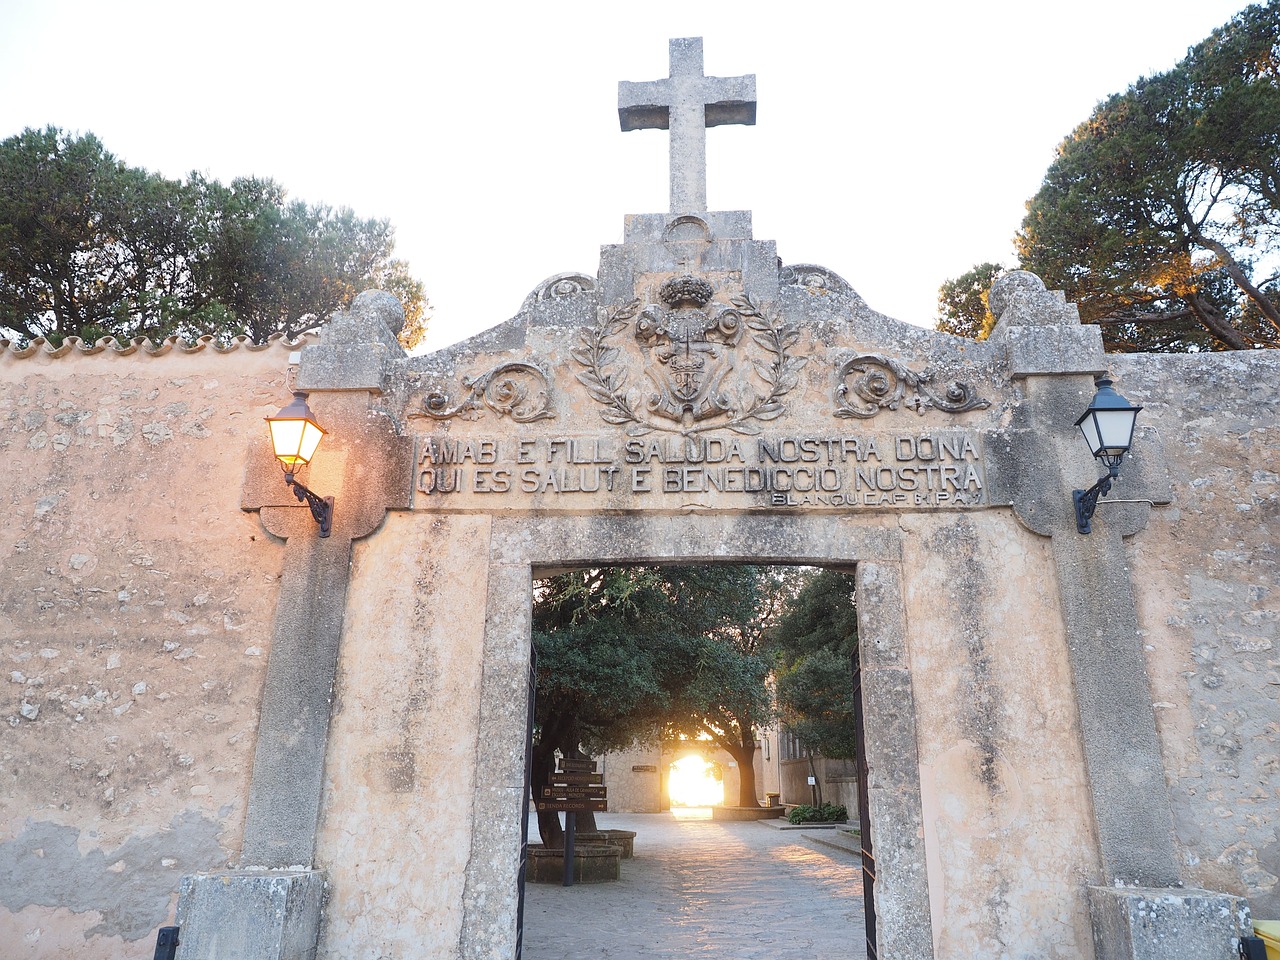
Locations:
column 489, row 925
column 271, row 910
column 1141, row 911
column 903, row 924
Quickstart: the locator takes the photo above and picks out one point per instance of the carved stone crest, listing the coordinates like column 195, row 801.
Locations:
column 698, row 359
column 688, row 350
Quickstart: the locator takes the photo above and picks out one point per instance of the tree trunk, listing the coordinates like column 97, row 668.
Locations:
column 817, row 782
column 1209, row 318
column 745, row 755
column 1236, row 272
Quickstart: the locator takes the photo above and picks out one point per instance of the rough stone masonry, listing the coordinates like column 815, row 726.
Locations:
column 1073, row 740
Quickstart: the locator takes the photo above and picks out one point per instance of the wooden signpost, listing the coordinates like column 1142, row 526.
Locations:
column 574, row 786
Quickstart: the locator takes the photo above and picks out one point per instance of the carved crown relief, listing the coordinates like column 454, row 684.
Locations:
column 705, row 365
column 691, row 364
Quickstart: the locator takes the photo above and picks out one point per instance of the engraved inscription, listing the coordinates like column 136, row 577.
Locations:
column 905, row 470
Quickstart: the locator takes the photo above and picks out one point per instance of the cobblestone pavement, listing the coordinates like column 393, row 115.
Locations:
column 703, row 889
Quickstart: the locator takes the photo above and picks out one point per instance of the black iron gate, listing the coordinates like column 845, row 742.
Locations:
column 524, row 816
column 864, row 815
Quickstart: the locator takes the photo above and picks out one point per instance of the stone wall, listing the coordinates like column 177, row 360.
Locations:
column 1206, row 575
column 136, row 608
column 1023, row 716
column 1003, row 779
column 636, row 779
column 839, row 785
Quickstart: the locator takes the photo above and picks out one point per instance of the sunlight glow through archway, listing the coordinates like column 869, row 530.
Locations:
column 692, row 783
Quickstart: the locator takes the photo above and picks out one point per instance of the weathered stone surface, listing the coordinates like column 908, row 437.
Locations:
column 365, row 469
column 1204, row 580
column 1019, row 299
column 1126, row 777
column 1054, row 350
column 592, row 863
column 999, row 741
column 1145, row 923
column 284, row 797
column 403, row 737
column 624, row 840
column 358, row 347
column 135, row 614
column 250, row 915
column 903, row 909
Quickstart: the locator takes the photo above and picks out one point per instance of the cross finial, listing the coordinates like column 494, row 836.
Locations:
column 687, row 103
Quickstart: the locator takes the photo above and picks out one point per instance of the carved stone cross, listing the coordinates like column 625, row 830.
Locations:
column 686, row 103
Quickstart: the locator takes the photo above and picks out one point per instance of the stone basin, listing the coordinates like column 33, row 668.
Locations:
column 592, row 863
column 625, row 839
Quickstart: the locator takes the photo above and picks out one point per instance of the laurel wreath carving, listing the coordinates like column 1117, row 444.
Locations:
column 608, row 385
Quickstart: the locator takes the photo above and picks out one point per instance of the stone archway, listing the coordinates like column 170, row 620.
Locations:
column 522, row 546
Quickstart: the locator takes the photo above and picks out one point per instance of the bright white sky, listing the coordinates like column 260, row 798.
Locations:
column 894, row 144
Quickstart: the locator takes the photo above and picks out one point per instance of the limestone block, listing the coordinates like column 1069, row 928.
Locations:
column 343, row 366
column 1144, row 923
column 250, row 915
column 706, row 226
column 1054, row 349
column 1019, row 299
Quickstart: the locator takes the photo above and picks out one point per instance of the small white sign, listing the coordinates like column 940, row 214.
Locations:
column 812, row 781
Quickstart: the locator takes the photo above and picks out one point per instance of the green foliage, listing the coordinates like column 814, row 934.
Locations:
column 826, row 813
column 627, row 652
column 631, row 652
column 1160, row 216
column 816, row 641
column 90, row 247
column 962, row 302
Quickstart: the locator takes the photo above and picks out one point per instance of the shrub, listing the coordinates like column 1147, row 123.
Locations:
column 827, row 813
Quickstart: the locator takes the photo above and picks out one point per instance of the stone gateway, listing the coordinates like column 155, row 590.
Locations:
column 315, row 746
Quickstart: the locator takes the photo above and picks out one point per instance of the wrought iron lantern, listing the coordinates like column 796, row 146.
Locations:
column 294, row 438
column 1108, row 429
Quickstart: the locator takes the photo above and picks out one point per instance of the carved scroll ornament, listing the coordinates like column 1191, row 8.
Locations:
column 869, row 383
column 517, row 390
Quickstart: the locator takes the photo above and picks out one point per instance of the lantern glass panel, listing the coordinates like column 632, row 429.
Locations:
column 1089, row 427
column 1115, row 430
column 294, row 441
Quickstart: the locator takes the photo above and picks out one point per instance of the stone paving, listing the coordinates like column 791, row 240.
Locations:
column 698, row 888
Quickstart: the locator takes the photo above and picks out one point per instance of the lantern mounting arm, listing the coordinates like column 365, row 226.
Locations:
column 321, row 507
column 1086, row 501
